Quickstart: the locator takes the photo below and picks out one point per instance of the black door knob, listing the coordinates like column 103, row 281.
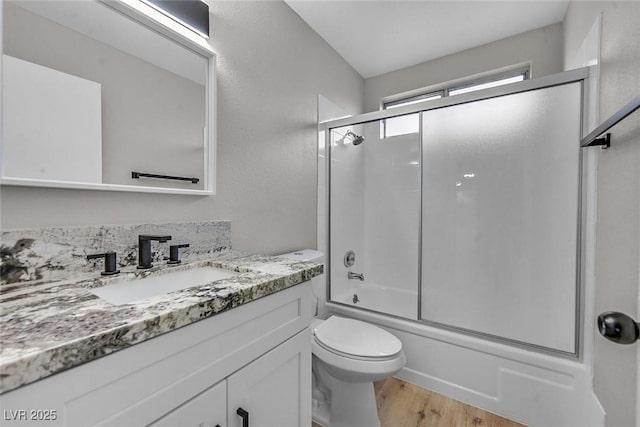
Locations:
column 618, row 327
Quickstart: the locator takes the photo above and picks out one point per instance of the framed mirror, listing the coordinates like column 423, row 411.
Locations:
column 109, row 95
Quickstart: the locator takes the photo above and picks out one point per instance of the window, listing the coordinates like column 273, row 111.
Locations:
column 491, row 83
column 410, row 123
column 405, row 124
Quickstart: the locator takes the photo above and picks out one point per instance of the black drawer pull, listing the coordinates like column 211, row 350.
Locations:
column 244, row 415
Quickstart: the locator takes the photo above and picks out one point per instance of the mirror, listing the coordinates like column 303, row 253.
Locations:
column 91, row 96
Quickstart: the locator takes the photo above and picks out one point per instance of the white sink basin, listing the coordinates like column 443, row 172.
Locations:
column 135, row 290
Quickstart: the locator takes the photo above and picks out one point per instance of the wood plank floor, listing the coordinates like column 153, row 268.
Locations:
column 402, row 404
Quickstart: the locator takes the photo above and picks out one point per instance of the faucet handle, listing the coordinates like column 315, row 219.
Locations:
column 174, row 253
column 110, row 264
column 160, row 239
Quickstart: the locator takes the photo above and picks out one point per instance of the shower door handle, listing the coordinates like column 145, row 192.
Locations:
column 618, row 327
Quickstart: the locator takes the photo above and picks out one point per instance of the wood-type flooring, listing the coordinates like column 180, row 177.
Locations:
column 402, row 404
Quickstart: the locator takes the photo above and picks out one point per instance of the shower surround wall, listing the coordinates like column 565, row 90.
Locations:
column 347, row 212
column 377, row 218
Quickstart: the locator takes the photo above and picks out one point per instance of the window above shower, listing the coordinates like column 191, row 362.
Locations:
column 410, row 123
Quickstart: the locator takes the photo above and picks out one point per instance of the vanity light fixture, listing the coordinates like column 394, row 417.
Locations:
column 192, row 14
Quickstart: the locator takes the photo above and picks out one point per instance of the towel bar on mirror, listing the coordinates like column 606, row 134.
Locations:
column 137, row 175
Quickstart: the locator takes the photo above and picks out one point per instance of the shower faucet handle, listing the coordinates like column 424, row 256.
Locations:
column 352, row 275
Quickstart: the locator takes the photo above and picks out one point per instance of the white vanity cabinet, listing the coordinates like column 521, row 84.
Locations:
column 208, row 409
column 272, row 390
column 256, row 357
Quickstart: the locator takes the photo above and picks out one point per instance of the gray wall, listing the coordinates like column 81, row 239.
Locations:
column 618, row 186
column 271, row 67
column 543, row 47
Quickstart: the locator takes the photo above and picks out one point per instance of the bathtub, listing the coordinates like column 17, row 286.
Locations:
column 522, row 385
column 375, row 297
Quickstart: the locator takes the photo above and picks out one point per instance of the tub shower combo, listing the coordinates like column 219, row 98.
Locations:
column 458, row 224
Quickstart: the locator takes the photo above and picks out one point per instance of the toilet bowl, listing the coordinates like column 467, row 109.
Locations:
column 348, row 356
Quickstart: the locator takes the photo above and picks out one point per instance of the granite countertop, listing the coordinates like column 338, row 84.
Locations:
column 49, row 327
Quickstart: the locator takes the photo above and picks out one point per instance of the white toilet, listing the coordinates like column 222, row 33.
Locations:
column 348, row 356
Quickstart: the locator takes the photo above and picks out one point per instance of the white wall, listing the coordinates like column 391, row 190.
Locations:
column 271, row 67
column 618, row 186
column 543, row 47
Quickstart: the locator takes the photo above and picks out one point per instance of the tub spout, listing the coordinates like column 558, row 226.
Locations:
column 352, row 275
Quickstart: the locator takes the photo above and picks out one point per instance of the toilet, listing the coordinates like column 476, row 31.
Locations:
column 348, row 356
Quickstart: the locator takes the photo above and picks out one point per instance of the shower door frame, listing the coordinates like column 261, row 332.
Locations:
column 579, row 75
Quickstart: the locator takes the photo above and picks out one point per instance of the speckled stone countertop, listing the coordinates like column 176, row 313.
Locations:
column 46, row 328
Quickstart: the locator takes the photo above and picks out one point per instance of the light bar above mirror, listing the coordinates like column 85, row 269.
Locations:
column 193, row 14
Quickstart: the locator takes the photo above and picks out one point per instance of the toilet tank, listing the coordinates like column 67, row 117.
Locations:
column 318, row 283
column 310, row 255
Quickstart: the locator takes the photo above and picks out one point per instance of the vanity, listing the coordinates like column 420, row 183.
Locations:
column 234, row 352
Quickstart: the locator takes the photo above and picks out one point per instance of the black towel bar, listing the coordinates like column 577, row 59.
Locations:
column 136, row 175
column 593, row 138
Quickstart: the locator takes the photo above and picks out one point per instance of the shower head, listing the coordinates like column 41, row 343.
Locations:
column 356, row 139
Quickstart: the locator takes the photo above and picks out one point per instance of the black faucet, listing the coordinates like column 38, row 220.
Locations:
column 144, row 249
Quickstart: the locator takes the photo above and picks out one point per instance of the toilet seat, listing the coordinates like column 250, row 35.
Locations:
column 356, row 339
column 352, row 356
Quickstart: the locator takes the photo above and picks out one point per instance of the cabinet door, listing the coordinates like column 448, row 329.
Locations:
column 275, row 389
column 208, row 409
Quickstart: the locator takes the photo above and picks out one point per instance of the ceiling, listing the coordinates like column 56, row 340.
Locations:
column 377, row 37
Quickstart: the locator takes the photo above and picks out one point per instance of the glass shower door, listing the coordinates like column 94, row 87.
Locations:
column 500, row 216
column 374, row 218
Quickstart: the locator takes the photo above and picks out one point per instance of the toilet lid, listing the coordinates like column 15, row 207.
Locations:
column 357, row 338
